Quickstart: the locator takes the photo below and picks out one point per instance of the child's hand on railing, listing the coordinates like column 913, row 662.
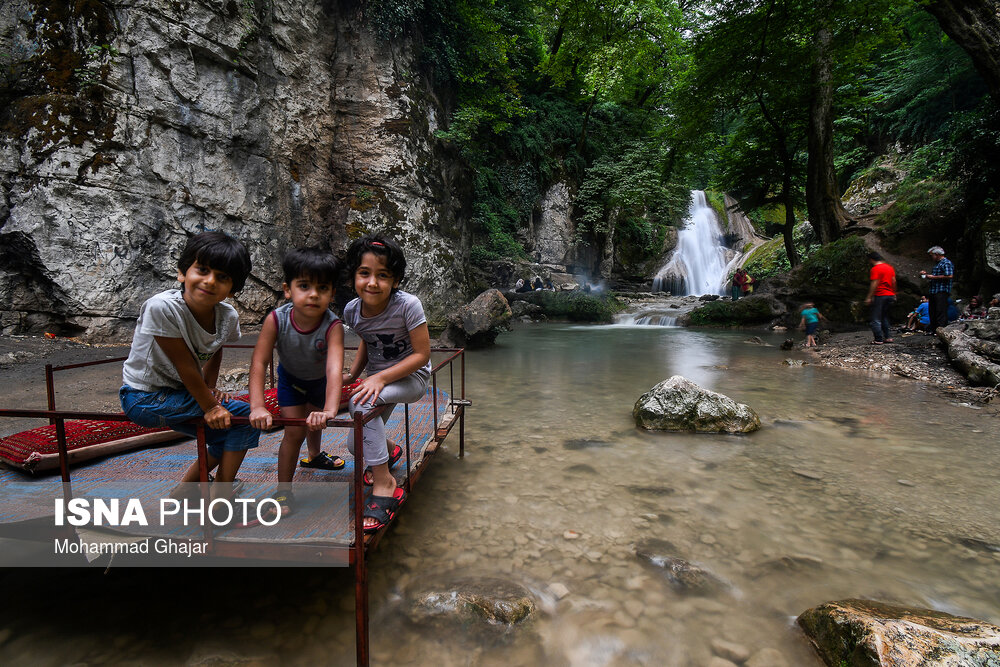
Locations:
column 218, row 418
column 260, row 418
column 316, row 421
column 221, row 396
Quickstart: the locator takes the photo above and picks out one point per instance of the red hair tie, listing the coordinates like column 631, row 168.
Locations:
column 378, row 243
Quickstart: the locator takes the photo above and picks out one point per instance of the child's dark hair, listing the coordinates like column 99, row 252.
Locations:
column 311, row 263
column 218, row 251
column 382, row 246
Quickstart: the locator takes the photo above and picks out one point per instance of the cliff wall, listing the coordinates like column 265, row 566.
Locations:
column 131, row 125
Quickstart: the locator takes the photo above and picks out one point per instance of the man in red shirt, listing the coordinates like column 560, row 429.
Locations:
column 881, row 296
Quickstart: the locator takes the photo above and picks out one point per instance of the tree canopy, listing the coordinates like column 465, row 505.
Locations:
column 635, row 102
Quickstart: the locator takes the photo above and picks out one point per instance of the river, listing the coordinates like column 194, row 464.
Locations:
column 857, row 485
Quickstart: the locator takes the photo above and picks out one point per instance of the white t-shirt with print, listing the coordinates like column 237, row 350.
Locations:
column 166, row 315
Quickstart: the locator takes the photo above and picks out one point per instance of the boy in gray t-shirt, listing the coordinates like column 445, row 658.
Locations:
column 170, row 374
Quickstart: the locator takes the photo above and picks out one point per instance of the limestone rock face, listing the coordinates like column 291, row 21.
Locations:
column 863, row 633
column 284, row 124
column 554, row 230
column 478, row 323
column 678, row 404
column 974, row 348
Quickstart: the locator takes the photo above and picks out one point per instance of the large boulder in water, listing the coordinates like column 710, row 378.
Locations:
column 678, row 404
column 490, row 604
column 856, row 633
column 478, row 323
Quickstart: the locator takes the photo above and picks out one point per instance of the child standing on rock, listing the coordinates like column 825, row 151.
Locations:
column 395, row 349
column 310, row 343
column 170, row 374
column 810, row 322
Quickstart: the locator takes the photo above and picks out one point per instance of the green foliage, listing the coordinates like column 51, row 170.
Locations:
column 920, row 206
column 743, row 312
column 576, row 306
column 838, row 263
column 627, row 190
column 918, row 85
column 770, row 259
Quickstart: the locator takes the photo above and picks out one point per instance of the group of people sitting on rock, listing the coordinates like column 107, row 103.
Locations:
column 531, row 285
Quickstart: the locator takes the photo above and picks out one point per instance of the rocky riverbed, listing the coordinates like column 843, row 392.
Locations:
column 913, row 355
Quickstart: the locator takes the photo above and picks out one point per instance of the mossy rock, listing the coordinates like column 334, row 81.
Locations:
column 842, row 264
column 575, row 306
column 486, row 606
column 755, row 309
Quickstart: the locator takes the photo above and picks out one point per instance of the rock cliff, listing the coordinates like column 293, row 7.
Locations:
column 129, row 125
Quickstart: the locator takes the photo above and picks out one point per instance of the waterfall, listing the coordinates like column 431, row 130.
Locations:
column 701, row 262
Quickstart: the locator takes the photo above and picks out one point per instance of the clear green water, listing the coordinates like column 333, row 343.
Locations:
column 858, row 485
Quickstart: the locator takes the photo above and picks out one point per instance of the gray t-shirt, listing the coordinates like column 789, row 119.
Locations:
column 166, row 315
column 387, row 335
column 302, row 353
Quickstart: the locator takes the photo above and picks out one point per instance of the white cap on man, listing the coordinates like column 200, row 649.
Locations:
column 935, row 250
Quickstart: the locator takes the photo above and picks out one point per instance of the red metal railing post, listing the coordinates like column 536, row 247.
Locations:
column 206, row 492
column 50, row 390
column 360, row 566
column 406, row 416
column 461, row 417
column 63, row 452
column 434, row 399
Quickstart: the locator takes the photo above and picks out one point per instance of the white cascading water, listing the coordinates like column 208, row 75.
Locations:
column 700, row 263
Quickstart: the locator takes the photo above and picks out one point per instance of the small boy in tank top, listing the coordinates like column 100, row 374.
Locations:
column 310, row 343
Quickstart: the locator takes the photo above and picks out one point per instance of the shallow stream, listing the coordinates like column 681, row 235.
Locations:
column 857, row 485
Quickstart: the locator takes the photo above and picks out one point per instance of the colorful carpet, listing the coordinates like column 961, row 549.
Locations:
column 322, row 507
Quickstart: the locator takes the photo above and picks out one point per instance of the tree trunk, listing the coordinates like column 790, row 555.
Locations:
column 607, row 263
column 586, row 119
column 788, row 169
column 975, row 26
column 789, row 229
column 826, row 212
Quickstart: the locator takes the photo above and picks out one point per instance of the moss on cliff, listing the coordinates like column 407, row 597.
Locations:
column 839, row 263
column 59, row 94
column 574, row 306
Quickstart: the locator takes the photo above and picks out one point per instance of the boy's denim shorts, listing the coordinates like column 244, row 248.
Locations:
column 173, row 407
column 293, row 391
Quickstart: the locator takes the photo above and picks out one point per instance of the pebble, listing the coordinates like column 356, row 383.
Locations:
column 808, row 474
column 466, row 558
column 766, row 657
column 636, row 583
column 905, row 482
column 571, row 535
column 707, row 539
column 716, row 661
column 730, row 650
column 559, row 591
column 595, row 555
column 623, row 620
column 634, row 608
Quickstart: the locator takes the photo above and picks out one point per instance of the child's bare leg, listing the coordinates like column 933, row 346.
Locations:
column 291, row 443
column 229, row 465
column 314, row 439
column 193, row 474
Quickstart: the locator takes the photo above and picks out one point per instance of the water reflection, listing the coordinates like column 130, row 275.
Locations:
column 858, row 485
